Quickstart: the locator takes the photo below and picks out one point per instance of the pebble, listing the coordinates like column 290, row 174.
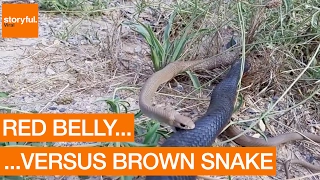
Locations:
column 138, row 49
column 50, row 72
column 179, row 88
column 52, row 108
column 251, row 111
column 275, row 98
column 83, row 42
column 62, row 110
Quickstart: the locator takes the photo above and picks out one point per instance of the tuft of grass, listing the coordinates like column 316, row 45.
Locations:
column 163, row 51
column 61, row 5
column 76, row 7
column 67, row 31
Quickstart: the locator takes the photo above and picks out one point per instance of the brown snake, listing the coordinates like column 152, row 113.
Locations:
column 173, row 118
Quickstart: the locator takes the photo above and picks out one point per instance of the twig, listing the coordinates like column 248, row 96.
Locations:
column 55, row 97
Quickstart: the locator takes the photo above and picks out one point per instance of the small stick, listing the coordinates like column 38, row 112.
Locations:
column 55, row 97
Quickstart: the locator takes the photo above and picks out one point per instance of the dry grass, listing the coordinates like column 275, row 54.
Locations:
column 93, row 56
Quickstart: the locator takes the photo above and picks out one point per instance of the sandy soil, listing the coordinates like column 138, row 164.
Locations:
column 51, row 74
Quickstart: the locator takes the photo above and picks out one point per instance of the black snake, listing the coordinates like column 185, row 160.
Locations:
column 218, row 114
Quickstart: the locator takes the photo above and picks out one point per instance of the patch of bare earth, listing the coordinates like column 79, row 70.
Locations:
column 51, row 75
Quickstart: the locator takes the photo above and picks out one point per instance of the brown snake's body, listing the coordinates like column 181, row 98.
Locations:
column 173, row 118
column 168, row 115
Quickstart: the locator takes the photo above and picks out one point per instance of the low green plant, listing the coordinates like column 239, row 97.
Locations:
column 3, row 94
column 14, row 178
column 165, row 51
column 149, row 130
column 94, row 7
column 61, row 5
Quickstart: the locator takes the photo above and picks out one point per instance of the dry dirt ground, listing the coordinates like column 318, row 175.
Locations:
column 50, row 74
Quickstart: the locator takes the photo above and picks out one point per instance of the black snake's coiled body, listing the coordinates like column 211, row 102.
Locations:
column 209, row 126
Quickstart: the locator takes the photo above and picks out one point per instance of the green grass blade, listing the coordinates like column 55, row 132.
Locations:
column 3, row 94
column 195, row 80
column 152, row 136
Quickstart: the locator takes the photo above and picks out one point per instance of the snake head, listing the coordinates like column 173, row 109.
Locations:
column 182, row 122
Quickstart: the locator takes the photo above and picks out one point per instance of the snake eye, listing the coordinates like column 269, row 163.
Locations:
column 182, row 125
